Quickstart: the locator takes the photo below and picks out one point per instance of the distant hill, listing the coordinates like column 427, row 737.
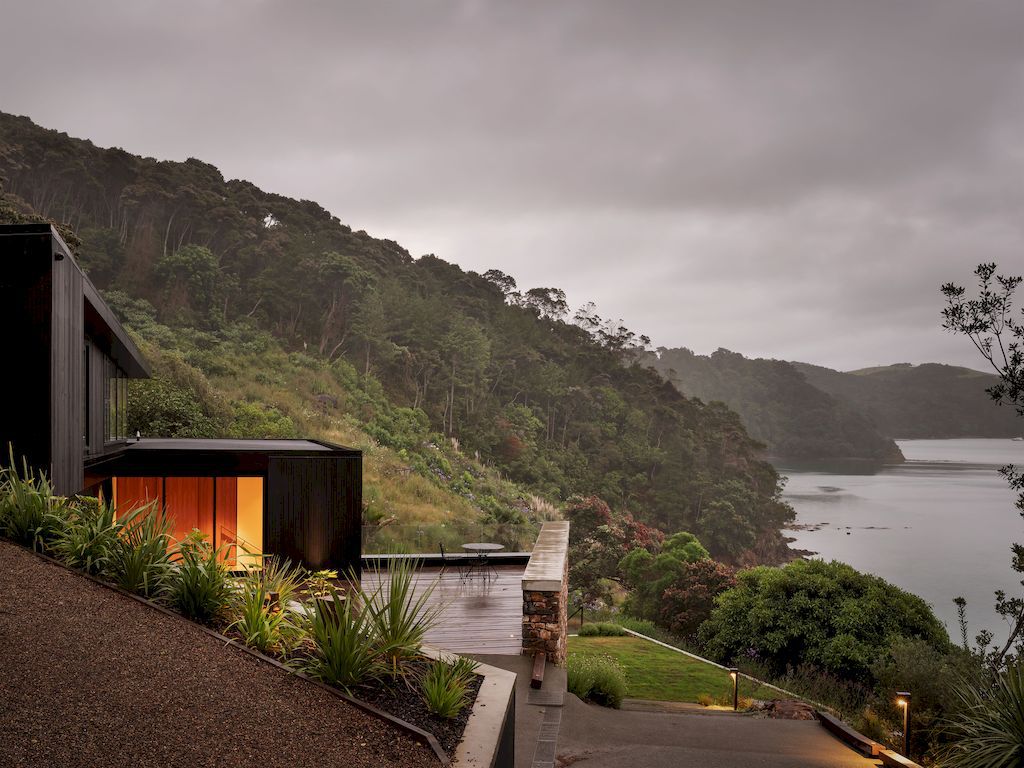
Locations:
column 919, row 401
column 292, row 318
column 777, row 404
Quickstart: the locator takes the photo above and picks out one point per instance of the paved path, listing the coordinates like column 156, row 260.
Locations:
column 538, row 713
column 594, row 737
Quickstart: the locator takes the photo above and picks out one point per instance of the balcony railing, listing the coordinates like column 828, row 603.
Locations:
column 407, row 538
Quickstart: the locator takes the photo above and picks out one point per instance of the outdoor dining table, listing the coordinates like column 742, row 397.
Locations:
column 481, row 562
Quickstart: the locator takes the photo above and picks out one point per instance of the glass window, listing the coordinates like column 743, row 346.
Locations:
column 115, row 403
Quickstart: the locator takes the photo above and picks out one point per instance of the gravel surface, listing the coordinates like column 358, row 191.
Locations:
column 89, row 677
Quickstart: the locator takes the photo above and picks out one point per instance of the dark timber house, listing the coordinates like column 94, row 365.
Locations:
column 68, row 362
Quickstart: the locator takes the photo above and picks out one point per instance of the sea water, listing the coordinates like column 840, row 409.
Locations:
column 939, row 525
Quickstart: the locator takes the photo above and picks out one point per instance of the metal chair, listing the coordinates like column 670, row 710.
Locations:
column 447, row 560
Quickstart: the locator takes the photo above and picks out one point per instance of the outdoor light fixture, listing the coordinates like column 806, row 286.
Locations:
column 903, row 701
column 734, row 673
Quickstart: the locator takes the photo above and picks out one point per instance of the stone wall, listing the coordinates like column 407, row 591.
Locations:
column 546, row 594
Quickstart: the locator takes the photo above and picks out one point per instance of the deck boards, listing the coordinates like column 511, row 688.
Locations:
column 480, row 615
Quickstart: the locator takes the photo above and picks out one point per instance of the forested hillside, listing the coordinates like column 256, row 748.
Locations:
column 285, row 312
column 919, row 401
column 778, row 406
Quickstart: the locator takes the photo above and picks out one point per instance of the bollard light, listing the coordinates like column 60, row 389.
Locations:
column 734, row 673
column 903, row 702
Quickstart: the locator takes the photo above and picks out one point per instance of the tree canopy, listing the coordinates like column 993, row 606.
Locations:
column 814, row 612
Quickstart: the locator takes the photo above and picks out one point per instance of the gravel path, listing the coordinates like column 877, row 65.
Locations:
column 89, row 677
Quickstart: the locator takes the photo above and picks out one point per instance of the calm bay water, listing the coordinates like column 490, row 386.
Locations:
column 939, row 525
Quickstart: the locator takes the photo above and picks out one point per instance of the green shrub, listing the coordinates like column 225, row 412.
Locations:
column 599, row 679
column 814, row 612
column 601, row 629
column 343, row 654
column 199, row 585
column 86, row 536
column 139, row 560
column 445, row 687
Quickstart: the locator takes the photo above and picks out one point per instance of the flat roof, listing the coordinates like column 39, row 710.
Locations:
column 229, row 444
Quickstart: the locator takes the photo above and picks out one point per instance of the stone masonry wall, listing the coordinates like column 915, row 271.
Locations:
column 545, row 621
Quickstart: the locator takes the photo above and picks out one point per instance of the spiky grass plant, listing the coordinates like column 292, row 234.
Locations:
column 343, row 652
column 266, row 627
column 199, row 584
column 444, row 688
column 989, row 731
column 266, row 630
column 140, row 559
column 281, row 576
column 400, row 618
column 30, row 513
column 86, row 536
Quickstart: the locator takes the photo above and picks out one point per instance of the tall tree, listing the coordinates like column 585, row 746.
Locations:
column 988, row 320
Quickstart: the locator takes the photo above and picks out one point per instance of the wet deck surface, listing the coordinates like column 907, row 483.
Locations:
column 480, row 615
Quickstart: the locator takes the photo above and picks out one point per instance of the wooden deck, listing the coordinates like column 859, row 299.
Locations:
column 480, row 615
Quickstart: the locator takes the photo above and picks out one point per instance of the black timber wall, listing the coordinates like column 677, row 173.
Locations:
column 67, row 384
column 314, row 508
column 26, row 295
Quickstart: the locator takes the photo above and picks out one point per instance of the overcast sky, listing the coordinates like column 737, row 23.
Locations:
column 783, row 178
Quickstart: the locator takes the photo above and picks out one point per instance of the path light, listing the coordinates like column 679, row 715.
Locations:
column 903, row 701
column 734, row 673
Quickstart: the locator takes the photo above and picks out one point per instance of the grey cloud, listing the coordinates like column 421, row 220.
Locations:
column 782, row 177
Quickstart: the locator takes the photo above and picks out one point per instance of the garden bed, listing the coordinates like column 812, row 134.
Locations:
column 400, row 700
column 84, row 667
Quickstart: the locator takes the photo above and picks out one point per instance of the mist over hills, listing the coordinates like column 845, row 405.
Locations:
column 266, row 316
column 803, row 411
column 930, row 400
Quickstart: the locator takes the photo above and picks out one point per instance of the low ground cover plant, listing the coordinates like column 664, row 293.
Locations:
column 602, row 629
column 599, row 679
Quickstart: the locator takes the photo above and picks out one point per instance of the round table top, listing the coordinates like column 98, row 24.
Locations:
column 479, row 546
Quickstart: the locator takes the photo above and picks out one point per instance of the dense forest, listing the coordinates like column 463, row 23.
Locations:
column 226, row 283
column 919, row 401
column 795, row 419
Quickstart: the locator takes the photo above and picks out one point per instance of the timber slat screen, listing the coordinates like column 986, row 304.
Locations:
column 480, row 615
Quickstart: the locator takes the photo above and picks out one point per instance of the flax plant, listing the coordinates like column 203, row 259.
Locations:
column 30, row 514
column 262, row 626
column 199, row 584
column 444, row 687
column 989, row 731
column 140, row 559
column 86, row 536
column 343, row 654
column 400, row 618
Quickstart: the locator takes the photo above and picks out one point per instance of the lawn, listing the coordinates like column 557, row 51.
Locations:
column 654, row 672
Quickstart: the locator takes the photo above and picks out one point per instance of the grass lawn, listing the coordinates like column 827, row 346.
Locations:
column 653, row 672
